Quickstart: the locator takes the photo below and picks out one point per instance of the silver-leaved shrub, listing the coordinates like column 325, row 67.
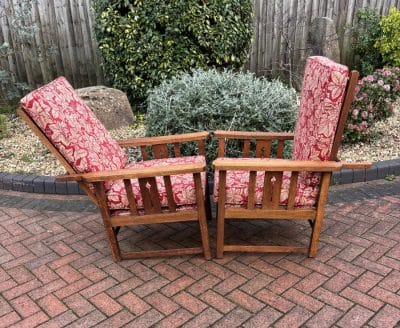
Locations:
column 219, row 100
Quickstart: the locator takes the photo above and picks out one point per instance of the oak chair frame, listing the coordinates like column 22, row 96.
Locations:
column 152, row 212
column 270, row 207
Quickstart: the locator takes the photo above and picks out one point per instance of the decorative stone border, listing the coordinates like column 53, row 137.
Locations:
column 48, row 185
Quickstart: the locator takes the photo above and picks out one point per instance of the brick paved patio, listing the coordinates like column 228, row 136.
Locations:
column 56, row 271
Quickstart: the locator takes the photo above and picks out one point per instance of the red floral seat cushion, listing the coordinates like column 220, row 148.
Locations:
column 182, row 185
column 73, row 128
column 321, row 100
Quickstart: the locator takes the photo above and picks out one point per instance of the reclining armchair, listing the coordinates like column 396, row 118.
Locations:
column 277, row 188
column 159, row 189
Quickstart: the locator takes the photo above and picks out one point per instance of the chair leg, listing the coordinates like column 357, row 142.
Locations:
column 205, row 241
column 112, row 240
column 316, row 229
column 220, row 233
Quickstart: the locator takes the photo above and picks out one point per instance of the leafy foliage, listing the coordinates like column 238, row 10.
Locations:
column 212, row 100
column 144, row 42
column 375, row 94
column 389, row 43
column 367, row 32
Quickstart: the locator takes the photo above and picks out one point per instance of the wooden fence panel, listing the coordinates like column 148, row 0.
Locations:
column 67, row 46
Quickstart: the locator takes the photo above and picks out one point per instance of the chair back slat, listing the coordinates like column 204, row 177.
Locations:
column 246, row 148
column 202, row 148
column 292, row 190
column 160, row 151
column 144, row 186
column 221, row 147
column 252, row 190
column 263, row 148
column 267, row 191
column 177, row 149
column 145, row 154
column 277, row 187
column 280, row 148
column 131, row 197
column 170, row 194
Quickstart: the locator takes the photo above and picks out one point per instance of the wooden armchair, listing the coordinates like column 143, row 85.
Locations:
column 277, row 188
column 158, row 190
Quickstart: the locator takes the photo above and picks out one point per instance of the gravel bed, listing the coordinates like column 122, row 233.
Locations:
column 23, row 152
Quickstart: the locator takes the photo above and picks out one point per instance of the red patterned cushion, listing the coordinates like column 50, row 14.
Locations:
column 322, row 96
column 182, row 185
column 73, row 128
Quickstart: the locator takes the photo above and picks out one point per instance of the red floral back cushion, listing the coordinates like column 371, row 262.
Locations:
column 73, row 128
column 322, row 95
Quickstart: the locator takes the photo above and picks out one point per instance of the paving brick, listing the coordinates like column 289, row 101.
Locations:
column 176, row 319
column 356, row 317
column 80, row 305
column 274, row 300
column 105, row 304
column 52, row 306
column 89, row 320
column 338, row 282
column 32, row 321
column 24, row 306
column 332, row 299
column 204, row 319
column 177, row 286
column 294, row 318
column 246, row 301
column 283, row 283
column 9, row 319
column 229, row 284
column 235, row 318
column 134, row 303
column 388, row 316
column 148, row 319
column 189, row 302
column 361, row 299
column 265, row 318
column 325, row 318
column 385, row 296
column 199, row 287
column 366, row 281
column 303, row 300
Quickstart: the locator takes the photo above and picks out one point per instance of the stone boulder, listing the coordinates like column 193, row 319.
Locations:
column 323, row 39
column 111, row 106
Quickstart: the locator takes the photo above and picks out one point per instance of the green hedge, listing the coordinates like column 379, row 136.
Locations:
column 146, row 41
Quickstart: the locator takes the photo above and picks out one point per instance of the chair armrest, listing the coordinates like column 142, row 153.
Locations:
column 134, row 173
column 356, row 165
column 275, row 165
column 254, row 135
column 149, row 141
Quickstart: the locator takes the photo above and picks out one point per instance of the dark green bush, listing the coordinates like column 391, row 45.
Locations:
column 212, row 100
column 144, row 42
column 367, row 32
column 389, row 43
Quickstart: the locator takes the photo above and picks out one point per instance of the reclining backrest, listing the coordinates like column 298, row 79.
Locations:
column 322, row 96
column 72, row 128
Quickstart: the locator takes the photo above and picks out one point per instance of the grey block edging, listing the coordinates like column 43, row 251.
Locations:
column 48, row 184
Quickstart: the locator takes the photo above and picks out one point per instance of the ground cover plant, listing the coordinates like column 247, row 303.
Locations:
column 211, row 100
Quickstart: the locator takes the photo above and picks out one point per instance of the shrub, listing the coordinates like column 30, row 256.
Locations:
column 373, row 100
column 389, row 43
column 144, row 42
column 212, row 100
column 367, row 32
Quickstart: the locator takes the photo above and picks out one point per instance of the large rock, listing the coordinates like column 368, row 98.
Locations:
column 323, row 39
column 111, row 106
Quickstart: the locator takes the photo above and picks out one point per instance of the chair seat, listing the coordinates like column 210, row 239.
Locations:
column 182, row 185
column 237, row 184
